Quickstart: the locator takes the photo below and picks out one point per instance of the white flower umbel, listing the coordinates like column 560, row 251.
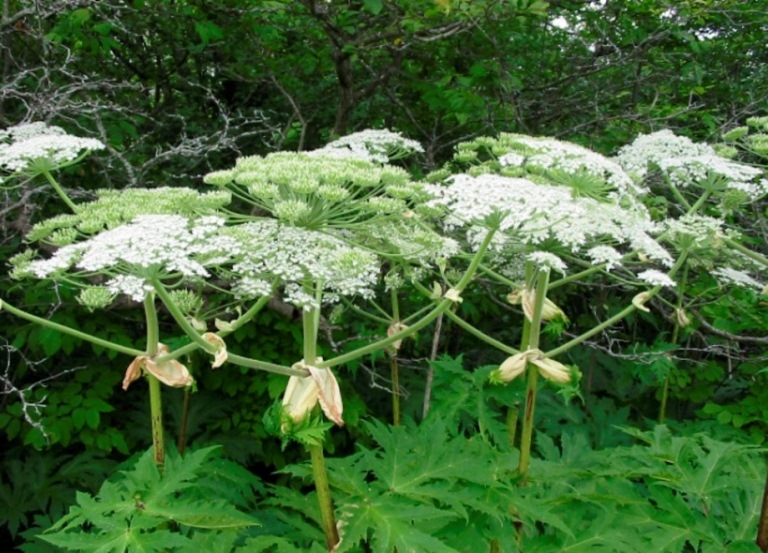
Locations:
column 656, row 278
column 35, row 148
column 728, row 275
column 25, row 131
column 152, row 246
column 605, row 254
column 694, row 233
column 117, row 207
column 298, row 256
column 547, row 261
column 555, row 162
column 380, row 146
column 529, row 214
column 686, row 163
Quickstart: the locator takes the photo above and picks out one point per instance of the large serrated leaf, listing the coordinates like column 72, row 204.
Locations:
column 201, row 514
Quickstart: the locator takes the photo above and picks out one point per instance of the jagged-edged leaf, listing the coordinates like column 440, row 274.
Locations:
column 392, row 524
column 201, row 514
column 117, row 541
column 230, row 481
column 413, row 455
column 277, row 544
column 211, row 542
column 280, row 515
column 179, row 473
column 604, row 532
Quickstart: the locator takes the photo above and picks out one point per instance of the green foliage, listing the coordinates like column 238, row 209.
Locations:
column 145, row 508
column 32, row 483
column 423, row 488
column 467, row 398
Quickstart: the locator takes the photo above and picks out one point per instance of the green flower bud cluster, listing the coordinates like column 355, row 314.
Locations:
column 113, row 208
column 317, row 190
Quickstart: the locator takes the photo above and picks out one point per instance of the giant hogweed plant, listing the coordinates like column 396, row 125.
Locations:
column 317, row 228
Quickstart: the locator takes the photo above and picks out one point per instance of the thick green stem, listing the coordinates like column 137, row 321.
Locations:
column 155, row 397
column 526, row 436
column 700, row 202
column 676, row 193
column 327, row 517
column 393, row 366
column 156, row 411
column 513, row 414
column 680, row 263
column 531, row 343
column 609, row 322
column 60, row 191
column 746, row 251
column 310, row 324
column 501, row 346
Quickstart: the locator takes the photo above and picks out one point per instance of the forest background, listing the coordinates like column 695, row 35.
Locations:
column 176, row 89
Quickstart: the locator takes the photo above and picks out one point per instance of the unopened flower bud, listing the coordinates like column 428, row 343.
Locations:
column 224, row 326
column 682, row 318
column 511, row 368
column 515, row 297
column 304, row 392
column 552, row 370
column 197, row 324
column 639, row 301
column 453, row 295
column 171, row 373
column 437, row 291
column 220, row 356
column 393, row 329
column 551, row 311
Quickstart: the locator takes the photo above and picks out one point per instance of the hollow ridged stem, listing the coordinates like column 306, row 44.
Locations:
column 310, row 325
column 531, row 341
column 155, row 396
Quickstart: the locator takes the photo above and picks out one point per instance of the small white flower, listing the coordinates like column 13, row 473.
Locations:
column 656, row 278
column 134, row 287
column 547, row 261
column 737, row 278
column 605, row 254
column 379, row 146
column 296, row 255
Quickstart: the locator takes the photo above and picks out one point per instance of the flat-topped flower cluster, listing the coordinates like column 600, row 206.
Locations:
column 528, row 214
column 550, row 161
column 335, row 213
column 113, row 208
column 686, row 163
column 299, row 258
column 33, row 148
column 380, row 146
column 149, row 247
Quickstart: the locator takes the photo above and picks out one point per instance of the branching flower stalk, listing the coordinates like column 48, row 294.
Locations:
column 60, row 191
column 678, row 325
